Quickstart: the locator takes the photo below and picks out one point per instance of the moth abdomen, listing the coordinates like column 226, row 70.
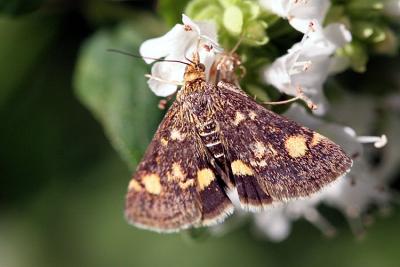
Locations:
column 210, row 136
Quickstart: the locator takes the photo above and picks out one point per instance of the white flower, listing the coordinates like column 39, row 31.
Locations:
column 308, row 63
column 177, row 44
column 351, row 194
column 276, row 222
column 299, row 13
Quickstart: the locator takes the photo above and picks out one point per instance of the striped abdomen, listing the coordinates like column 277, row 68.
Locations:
column 209, row 133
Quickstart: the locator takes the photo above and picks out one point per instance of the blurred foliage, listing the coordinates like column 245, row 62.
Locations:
column 114, row 88
column 33, row 34
column 63, row 186
column 171, row 10
column 18, row 7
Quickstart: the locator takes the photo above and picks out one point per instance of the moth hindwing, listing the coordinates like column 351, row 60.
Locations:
column 214, row 139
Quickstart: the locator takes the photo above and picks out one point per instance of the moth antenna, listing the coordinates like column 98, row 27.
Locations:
column 142, row 57
column 189, row 60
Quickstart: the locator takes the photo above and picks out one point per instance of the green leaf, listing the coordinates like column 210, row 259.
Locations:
column 114, row 88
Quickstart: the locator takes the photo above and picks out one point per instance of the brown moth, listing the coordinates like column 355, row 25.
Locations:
column 216, row 138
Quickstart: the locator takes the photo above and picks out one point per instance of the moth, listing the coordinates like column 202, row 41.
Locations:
column 215, row 138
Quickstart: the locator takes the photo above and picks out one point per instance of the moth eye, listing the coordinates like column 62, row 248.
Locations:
column 202, row 67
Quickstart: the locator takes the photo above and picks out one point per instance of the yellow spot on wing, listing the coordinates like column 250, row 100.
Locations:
column 262, row 163
column 259, row 149
column 240, row 168
column 177, row 173
column 152, row 183
column 296, row 146
column 258, row 163
column 316, row 139
column 185, row 185
column 239, row 117
column 133, row 184
column 204, row 178
column 164, row 141
column 176, row 135
column 252, row 115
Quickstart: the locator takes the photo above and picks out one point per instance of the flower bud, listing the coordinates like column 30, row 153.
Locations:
column 357, row 54
column 370, row 32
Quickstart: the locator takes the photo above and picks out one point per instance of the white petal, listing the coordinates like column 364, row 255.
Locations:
column 278, row 7
column 189, row 22
column 316, row 42
column 169, row 73
column 208, row 32
column 164, row 45
column 302, row 12
column 318, row 98
column 315, row 74
column 338, row 64
column 392, row 8
column 278, row 74
column 207, row 59
column 299, row 13
column 274, row 223
column 161, row 89
column 337, row 34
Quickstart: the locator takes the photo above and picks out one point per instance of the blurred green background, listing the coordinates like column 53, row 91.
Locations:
column 66, row 155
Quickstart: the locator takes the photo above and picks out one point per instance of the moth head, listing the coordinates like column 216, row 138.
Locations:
column 195, row 70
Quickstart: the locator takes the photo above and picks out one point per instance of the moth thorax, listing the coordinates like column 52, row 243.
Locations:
column 193, row 73
column 209, row 134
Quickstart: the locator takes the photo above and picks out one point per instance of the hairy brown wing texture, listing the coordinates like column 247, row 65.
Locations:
column 175, row 186
column 271, row 157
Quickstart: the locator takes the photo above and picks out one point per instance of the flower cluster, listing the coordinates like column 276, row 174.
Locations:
column 308, row 63
column 178, row 44
column 329, row 37
column 299, row 13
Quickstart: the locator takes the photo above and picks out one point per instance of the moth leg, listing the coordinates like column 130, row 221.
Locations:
column 300, row 95
column 162, row 104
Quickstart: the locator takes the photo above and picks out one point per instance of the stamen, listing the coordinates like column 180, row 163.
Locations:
column 299, row 67
column 314, row 217
column 378, row 141
column 187, row 28
column 282, row 102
